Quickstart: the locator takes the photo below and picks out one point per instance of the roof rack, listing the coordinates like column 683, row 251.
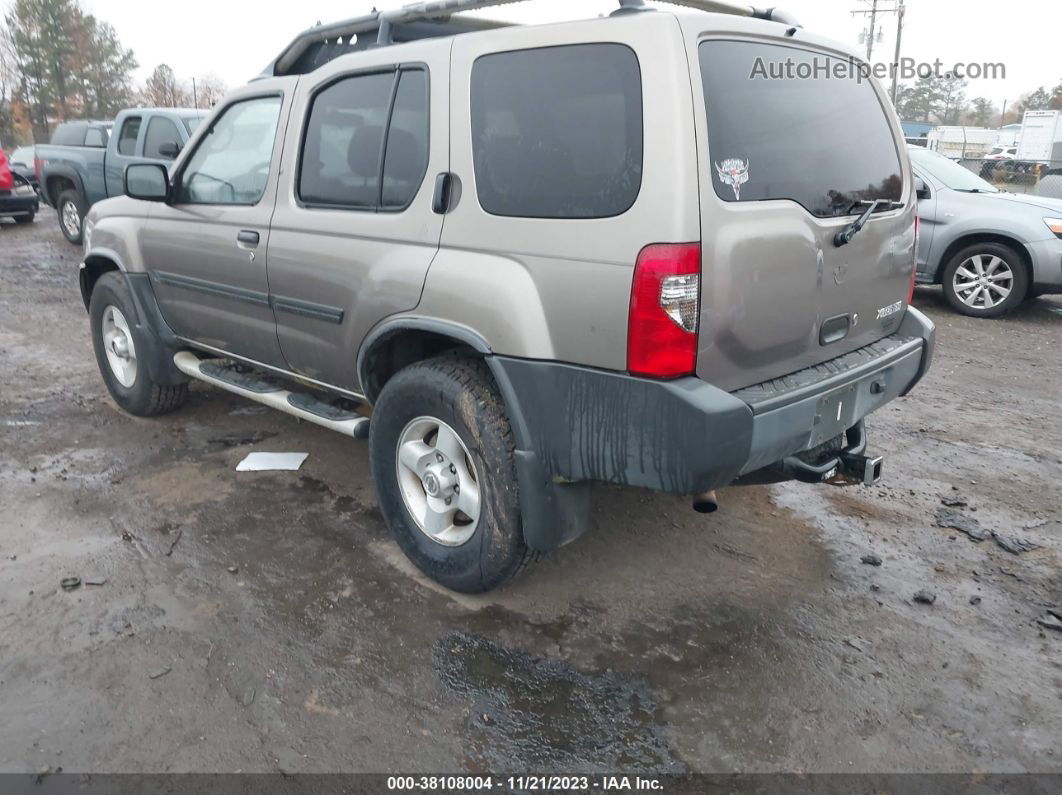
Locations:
column 435, row 18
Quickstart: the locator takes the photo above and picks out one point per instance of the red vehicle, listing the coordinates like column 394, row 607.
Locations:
column 18, row 199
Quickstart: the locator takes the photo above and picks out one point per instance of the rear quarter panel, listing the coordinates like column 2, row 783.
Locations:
column 560, row 288
column 88, row 162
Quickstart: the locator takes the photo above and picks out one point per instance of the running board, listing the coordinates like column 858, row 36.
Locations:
column 271, row 391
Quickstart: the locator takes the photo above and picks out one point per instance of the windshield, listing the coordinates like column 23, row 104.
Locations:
column 824, row 143
column 950, row 173
column 23, row 155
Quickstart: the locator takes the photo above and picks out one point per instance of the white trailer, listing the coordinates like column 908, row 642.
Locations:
column 1008, row 135
column 962, row 143
column 1041, row 137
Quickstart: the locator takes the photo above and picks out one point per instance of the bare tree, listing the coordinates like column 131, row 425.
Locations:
column 209, row 89
column 164, row 90
column 8, row 80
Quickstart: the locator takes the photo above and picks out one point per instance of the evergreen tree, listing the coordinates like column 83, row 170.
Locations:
column 70, row 65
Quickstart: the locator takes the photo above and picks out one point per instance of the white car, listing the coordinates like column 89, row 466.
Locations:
column 1003, row 153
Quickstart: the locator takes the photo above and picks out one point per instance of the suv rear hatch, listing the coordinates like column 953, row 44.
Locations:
column 795, row 152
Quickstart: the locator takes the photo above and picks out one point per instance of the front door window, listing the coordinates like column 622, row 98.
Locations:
column 231, row 163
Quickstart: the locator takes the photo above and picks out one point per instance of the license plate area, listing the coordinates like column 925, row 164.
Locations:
column 835, row 413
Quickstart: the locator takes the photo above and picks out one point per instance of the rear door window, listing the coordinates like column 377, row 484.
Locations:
column 366, row 142
column 128, row 135
column 557, row 131
column 823, row 142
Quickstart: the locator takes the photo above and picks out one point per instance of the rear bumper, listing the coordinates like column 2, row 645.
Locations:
column 11, row 205
column 686, row 436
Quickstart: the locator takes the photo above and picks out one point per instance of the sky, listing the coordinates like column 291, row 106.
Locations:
column 235, row 39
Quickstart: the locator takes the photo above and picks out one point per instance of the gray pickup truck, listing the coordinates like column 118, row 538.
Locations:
column 86, row 160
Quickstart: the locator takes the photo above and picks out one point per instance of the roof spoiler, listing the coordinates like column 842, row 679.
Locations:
column 431, row 18
column 723, row 7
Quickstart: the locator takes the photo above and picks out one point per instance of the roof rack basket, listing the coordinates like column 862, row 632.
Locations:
column 434, row 18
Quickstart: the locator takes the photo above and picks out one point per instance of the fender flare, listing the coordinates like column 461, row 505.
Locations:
column 66, row 171
column 386, row 328
column 552, row 513
column 162, row 342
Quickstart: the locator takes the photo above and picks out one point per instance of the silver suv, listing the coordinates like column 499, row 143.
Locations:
column 617, row 250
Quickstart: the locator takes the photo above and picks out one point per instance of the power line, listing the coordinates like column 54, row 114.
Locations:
column 879, row 7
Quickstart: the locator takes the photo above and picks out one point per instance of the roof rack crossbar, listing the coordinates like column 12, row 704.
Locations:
column 384, row 24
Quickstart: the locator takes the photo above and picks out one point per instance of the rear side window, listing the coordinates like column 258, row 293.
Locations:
column 128, row 135
column 822, row 141
column 366, row 142
column 160, row 131
column 557, row 131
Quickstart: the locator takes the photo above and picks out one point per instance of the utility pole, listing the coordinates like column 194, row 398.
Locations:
column 878, row 7
column 870, row 35
column 900, row 11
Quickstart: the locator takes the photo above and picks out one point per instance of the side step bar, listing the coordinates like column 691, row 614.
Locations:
column 269, row 391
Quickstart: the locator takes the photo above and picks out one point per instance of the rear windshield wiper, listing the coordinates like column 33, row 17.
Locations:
column 844, row 237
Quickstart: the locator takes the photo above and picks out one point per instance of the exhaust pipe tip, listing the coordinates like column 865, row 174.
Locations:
column 706, row 503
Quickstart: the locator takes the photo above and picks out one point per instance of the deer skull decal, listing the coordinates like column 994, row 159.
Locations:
column 733, row 172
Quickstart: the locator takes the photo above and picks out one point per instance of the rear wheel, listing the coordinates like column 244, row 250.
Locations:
column 24, row 219
column 985, row 280
column 442, row 458
column 120, row 345
column 71, row 207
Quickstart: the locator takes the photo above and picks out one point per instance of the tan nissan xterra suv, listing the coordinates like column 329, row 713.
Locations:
column 607, row 250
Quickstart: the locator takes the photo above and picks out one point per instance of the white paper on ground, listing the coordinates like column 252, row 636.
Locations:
column 265, row 462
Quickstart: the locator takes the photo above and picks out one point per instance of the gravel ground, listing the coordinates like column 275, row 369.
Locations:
column 266, row 621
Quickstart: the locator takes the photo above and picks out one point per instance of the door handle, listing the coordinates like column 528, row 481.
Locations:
column 248, row 238
column 440, row 200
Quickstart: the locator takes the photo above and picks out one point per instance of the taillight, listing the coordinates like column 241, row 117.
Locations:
column 914, row 265
column 665, row 311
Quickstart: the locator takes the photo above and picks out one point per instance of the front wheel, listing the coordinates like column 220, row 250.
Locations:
column 985, row 280
column 442, row 456
column 120, row 347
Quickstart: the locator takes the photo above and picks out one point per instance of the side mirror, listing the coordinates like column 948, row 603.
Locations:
column 147, row 181
column 169, row 150
column 921, row 191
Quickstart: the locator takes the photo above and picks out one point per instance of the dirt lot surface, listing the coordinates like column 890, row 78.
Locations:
column 266, row 621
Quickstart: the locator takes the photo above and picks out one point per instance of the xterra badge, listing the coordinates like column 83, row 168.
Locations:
column 733, row 172
column 890, row 310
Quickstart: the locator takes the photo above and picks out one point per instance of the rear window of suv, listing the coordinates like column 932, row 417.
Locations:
column 557, row 131
column 823, row 141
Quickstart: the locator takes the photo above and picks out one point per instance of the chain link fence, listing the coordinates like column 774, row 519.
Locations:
column 1038, row 178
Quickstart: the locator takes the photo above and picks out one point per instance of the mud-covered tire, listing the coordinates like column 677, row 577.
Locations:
column 71, row 201
column 142, row 396
column 460, row 392
column 987, row 254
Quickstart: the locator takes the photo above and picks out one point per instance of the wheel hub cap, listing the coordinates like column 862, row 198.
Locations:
column 71, row 220
column 118, row 346
column 983, row 281
column 437, row 481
